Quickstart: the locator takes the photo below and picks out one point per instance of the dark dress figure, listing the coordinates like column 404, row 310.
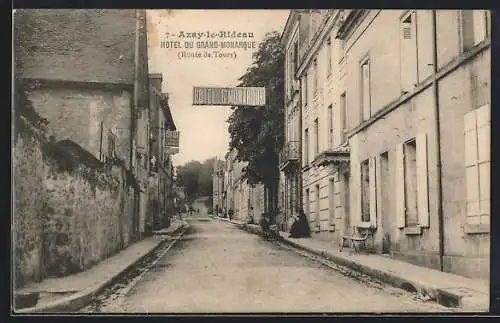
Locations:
column 300, row 227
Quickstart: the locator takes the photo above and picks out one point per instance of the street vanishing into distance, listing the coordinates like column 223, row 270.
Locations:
column 216, row 267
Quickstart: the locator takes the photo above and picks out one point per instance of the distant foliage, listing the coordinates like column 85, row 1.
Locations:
column 196, row 178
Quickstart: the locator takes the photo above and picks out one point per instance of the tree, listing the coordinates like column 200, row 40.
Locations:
column 196, row 178
column 258, row 133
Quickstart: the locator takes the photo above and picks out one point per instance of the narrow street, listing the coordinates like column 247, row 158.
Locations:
column 216, row 267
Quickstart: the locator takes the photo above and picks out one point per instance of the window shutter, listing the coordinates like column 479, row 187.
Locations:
column 479, row 25
column 141, row 134
column 471, row 169
column 483, row 143
column 400, row 187
column 422, row 181
column 365, row 71
column 373, row 192
column 483, row 120
column 356, row 219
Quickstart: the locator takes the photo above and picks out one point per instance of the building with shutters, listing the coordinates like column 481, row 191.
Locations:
column 393, row 121
column 163, row 143
column 244, row 199
column 218, row 187
column 315, row 158
column 418, row 102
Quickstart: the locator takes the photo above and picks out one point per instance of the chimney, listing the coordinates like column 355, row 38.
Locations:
column 156, row 79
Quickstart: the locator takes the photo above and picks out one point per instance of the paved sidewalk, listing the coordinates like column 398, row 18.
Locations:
column 445, row 288
column 71, row 292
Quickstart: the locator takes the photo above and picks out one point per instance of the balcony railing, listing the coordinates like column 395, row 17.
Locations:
column 290, row 153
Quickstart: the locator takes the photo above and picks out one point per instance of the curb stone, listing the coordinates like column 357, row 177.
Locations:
column 468, row 303
column 82, row 298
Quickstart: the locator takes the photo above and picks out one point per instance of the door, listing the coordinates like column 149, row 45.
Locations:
column 385, row 209
column 331, row 204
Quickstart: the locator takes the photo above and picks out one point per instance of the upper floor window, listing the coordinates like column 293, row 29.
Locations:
column 315, row 75
column 474, row 27
column 365, row 90
column 316, row 137
column 343, row 116
column 295, row 57
column 306, row 90
column 330, row 126
column 408, row 51
column 329, row 56
column 306, row 146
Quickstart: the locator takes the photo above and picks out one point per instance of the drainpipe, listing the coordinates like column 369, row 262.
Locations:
column 437, row 141
column 134, row 114
column 136, row 70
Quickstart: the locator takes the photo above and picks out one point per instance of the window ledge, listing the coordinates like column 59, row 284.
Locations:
column 412, row 230
column 364, row 225
column 476, row 228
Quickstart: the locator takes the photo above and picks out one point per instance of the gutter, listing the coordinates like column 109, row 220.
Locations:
column 438, row 142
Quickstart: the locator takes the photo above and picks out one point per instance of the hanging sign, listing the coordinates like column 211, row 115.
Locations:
column 235, row 96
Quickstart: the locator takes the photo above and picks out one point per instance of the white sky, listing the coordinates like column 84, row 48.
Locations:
column 203, row 129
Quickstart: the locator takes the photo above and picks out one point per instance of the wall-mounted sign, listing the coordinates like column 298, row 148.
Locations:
column 235, row 96
column 171, row 150
column 171, row 138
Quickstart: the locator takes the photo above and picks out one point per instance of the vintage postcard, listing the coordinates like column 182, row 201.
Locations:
column 251, row 161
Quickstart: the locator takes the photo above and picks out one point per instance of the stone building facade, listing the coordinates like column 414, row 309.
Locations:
column 82, row 77
column 410, row 116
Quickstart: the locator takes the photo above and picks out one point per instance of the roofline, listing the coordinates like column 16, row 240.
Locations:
column 288, row 25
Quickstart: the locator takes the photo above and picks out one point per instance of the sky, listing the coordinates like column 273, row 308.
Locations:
column 203, row 129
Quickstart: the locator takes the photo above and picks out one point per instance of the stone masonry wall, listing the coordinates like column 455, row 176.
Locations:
column 65, row 220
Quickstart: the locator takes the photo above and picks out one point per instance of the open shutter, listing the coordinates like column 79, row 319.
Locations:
column 356, row 177
column 365, row 75
column 141, row 132
column 400, row 187
column 484, row 157
column 373, row 192
column 479, row 25
column 422, row 182
column 471, row 169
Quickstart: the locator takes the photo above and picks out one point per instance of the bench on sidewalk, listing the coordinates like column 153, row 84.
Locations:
column 353, row 238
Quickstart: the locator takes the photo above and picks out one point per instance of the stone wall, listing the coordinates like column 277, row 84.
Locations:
column 68, row 215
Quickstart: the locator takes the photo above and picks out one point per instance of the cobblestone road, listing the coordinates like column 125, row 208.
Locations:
column 216, row 267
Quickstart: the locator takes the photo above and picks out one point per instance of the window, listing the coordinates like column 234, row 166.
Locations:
column 306, row 146
column 295, row 57
column 329, row 56
column 330, row 126
column 316, row 137
column 289, row 73
column 315, row 75
column 411, row 183
column 111, row 145
column 365, row 90
column 477, row 165
column 343, row 117
column 408, row 52
column 306, row 91
column 368, row 196
column 474, row 27
column 365, row 191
